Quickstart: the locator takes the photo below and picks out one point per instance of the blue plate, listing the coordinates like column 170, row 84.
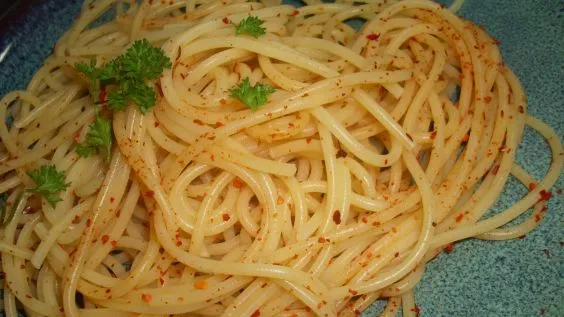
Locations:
column 523, row 277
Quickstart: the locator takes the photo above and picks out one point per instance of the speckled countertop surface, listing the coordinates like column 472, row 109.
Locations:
column 523, row 277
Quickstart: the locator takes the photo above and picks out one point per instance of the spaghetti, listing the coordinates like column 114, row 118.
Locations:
column 377, row 149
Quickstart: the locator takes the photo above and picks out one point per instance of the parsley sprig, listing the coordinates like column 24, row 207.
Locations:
column 252, row 96
column 124, row 77
column 98, row 140
column 251, row 26
column 49, row 183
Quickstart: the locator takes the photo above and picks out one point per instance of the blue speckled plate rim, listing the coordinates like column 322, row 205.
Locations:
column 523, row 277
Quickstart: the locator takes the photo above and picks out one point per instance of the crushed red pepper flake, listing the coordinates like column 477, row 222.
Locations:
column 341, row 153
column 337, row 217
column 417, row 310
column 321, row 240
column 149, row 193
column 237, row 183
column 532, row 186
column 545, row 195
column 459, row 218
column 521, row 109
column 225, row 217
column 449, row 248
column 256, row 313
column 218, row 124
column 147, row 298
column 113, row 243
column 353, row 292
column 488, row 99
column 433, row 134
column 105, row 239
column 198, row 121
column 495, row 169
column 201, row 284
column 226, row 20
column 373, row 36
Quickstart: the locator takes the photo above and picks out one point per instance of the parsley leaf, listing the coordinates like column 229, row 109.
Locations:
column 49, row 183
column 141, row 94
column 98, row 140
column 252, row 96
column 250, row 26
column 143, row 61
column 92, row 73
column 125, row 76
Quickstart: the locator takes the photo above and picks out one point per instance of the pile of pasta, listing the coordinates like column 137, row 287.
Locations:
column 379, row 147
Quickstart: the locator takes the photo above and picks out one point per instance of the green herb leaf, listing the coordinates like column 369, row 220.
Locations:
column 126, row 76
column 143, row 61
column 92, row 73
column 98, row 140
column 111, row 70
column 250, row 26
column 89, row 70
column 49, row 183
column 118, row 100
column 252, row 96
column 141, row 94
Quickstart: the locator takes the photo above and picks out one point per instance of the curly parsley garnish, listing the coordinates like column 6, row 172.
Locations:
column 250, row 26
column 124, row 77
column 98, row 140
column 49, row 183
column 252, row 96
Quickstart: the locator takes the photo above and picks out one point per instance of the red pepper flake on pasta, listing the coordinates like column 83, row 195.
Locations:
column 198, row 122
column 237, row 183
column 521, row 109
column 225, row 217
column 105, row 239
column 416, row 310
column 353, row 292
column 449, row 248
column 545, row 195
column 532, row 186
column 373, row 36
column 147, row 298
column 294, row 13
column 256, row 313
column 459, row 218
column 149, row 193
column 337, row 217
column 201, row 284
column 495, row 169
column 226, row 20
